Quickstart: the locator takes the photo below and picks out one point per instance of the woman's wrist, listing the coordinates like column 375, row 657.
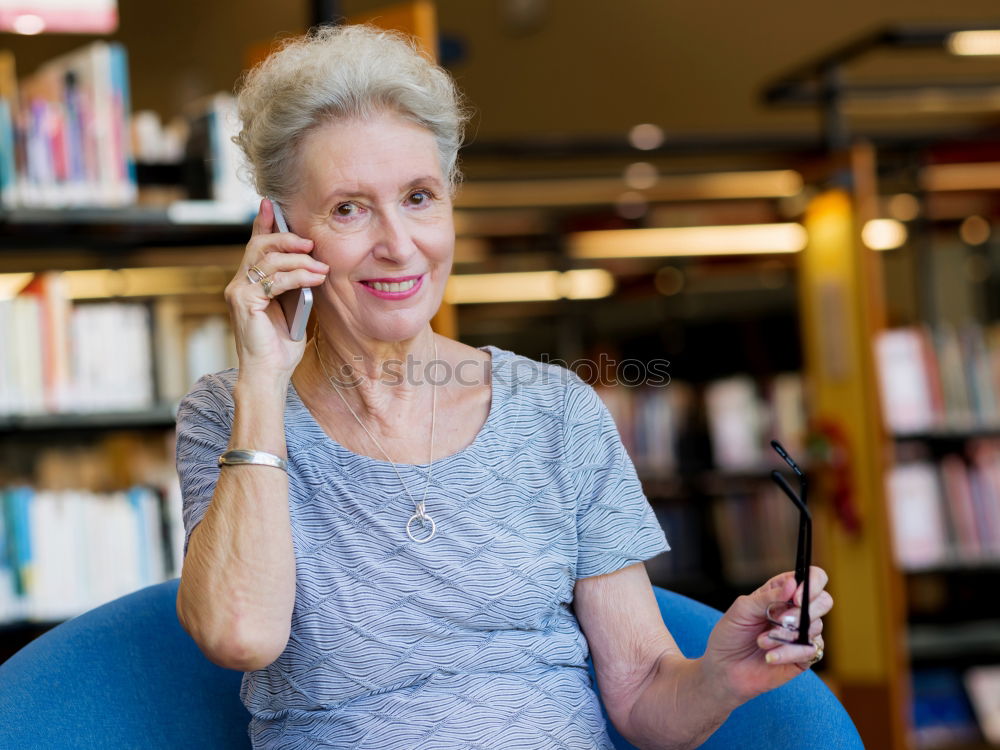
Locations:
column 716, row 683
column 259, row 420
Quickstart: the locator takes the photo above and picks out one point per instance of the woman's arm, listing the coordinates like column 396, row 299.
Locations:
column 657, row 698
column 237, row 588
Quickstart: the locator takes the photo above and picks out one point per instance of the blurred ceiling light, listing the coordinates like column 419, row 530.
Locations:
column 980, row 42
column 641, row 175
column 587, row 283
column 744, row 239
column 646, row 136
column 978, row 176
column 903, row 206
column 975, row 230
column 883, row 234
column 631, row 205
column 28, row 24
column 11, row 284
column 528, row 286
column 772, row 183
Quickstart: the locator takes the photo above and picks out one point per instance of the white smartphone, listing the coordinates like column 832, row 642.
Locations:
column 296, row 303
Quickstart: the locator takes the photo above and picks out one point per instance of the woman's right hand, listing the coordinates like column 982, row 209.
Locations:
column 263, row 344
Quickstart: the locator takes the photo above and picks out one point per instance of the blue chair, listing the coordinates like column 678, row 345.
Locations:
column 126, row 675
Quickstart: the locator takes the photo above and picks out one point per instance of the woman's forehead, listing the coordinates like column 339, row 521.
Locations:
column 385, row 152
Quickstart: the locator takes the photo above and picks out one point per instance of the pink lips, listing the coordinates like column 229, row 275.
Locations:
column 394, row 295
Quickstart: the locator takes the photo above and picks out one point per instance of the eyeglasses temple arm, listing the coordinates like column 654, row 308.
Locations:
column 802, row 565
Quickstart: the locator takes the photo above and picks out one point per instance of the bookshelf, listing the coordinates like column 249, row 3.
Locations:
column 735, row 318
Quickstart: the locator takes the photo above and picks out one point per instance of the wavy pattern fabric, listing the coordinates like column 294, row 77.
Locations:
column 467, row 641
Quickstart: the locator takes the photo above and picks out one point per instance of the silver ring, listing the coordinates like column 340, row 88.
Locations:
column 788, row 622
column 260, row 275
column 417, row 516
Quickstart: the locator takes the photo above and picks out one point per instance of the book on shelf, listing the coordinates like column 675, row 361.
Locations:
column 947, row 512
column 70, row 131
column 983, row 687
column 8, row 111
column 91, row 356
column 67, row 551
column 942, row 714
column 757, row 531
column 743, row 415
column 946, row 378
column 215, row 166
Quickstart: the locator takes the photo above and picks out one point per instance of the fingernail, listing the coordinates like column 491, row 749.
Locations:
column 771, row 657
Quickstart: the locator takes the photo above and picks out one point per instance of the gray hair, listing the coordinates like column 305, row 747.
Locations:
column 337, row 73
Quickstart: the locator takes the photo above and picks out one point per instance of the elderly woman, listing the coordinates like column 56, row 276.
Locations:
column 428, row 539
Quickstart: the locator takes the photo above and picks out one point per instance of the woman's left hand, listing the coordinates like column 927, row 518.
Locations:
column 741, row 650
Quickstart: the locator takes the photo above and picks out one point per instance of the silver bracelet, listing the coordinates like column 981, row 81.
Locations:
column 236, row 457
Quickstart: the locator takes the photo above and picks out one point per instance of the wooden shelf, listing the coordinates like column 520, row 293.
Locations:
column 949, row 434
column 980, row 640
column 160, row 416
column 119, row 228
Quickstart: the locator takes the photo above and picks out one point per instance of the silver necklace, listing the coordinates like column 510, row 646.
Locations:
column 421, row 514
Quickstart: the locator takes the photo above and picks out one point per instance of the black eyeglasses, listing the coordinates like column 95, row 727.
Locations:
column 803, row 556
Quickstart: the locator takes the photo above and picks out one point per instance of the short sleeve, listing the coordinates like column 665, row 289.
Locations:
column 204, row 425
column 616, row 525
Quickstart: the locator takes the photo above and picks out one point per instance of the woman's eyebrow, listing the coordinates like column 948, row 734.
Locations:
column 364, row 192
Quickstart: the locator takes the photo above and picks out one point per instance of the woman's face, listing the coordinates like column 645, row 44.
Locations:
column 375, row 203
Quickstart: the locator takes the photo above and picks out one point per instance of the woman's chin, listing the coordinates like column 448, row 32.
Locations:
column 401, row 329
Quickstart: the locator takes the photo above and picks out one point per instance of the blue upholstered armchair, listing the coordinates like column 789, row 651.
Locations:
column 126, row 675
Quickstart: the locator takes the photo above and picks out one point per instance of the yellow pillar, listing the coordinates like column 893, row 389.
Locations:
column 841, row 310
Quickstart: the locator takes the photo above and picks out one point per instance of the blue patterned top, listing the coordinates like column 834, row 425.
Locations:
column 467, row 641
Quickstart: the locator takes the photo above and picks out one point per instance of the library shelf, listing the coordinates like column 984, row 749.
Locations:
column 978, row 640
column 948, row 435
column 160, row 416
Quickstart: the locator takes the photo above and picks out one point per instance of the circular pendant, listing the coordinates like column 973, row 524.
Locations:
column 417, row 517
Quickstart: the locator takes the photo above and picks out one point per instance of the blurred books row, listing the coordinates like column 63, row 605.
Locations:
column 941, row 378
column 952, row 706
column 62, row 356
column 64, row 130
column 69, row 139
column 740, row 414
column 947, row 511
column 65, row 552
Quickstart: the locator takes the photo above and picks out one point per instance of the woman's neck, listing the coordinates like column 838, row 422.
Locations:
column 386, row 384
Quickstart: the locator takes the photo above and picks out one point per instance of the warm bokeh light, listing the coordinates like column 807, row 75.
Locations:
column 975, row 230
column 903, row 206
column 631, row 205
column 740, row 239
column 586, row 283
column 883, row 234
column 28, row 24
column 646, row 136
column 641, row 175
column 980, row 42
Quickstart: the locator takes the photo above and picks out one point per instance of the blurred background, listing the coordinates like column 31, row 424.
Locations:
column 788, row 207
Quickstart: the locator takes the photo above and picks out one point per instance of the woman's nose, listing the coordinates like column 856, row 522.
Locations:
column 393, row 240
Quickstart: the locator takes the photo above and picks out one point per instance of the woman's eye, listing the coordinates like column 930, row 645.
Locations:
column 420, row 197
column 345, row 209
